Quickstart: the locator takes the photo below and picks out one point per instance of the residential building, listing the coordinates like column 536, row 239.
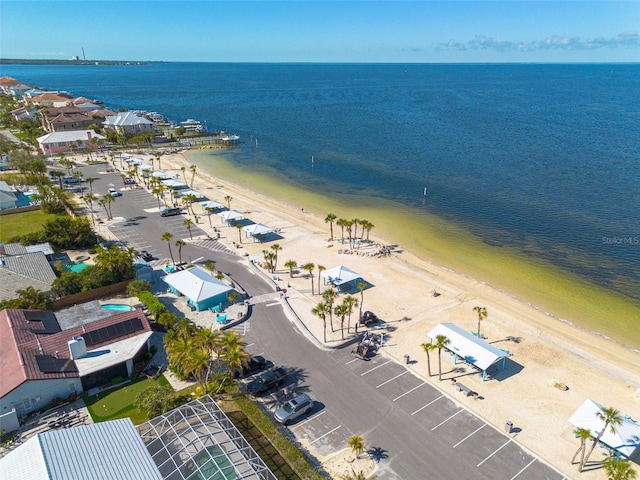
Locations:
column 128, row 123
column 62, row 142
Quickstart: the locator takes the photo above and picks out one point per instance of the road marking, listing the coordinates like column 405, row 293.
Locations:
column 309, row 419
column 527, row 466
column 197, row 260
column 249, row 345
column 375, row 368
column 250, row 271
column 445, row 421
column 392, row 379
column 495, row 451
column 351, row 361
column 408, row 392
column 322, row 436
column 271, row 304
column 425, row 406
column 478, row 429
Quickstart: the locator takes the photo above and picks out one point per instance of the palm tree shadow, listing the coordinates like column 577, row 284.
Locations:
column 377, row 454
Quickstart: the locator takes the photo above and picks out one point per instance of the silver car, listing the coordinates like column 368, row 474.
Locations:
column 300, row 405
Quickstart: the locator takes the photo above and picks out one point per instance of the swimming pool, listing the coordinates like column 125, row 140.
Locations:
column 117, row 306
column 75, row 267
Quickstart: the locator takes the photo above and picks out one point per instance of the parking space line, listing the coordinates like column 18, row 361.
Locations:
column 309, row 419
column 392, row 379
column 526, row 466
column 445, row 421
column 271, row 304
column 375, row 368
column 409, row 391
column 425, row 406
column 351, row 361
column 476, row 430
column 322, row 436
column 494, row 452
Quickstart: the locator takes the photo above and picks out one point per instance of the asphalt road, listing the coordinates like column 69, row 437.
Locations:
column 413, row 429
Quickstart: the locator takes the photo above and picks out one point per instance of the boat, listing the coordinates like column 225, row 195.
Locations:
column 191, row 125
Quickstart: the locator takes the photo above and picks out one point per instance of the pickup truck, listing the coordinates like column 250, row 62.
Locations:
column 266, row 381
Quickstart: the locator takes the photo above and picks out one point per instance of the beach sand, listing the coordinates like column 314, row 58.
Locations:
column 543, row 349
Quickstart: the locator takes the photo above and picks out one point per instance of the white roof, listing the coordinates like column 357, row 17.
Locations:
column 117, row 352
column 96, row 451
column 468, row 346
column 626, row 438
column 190, row 191
column 174, row 183
column 196, row 284
column 230, row 215
column 160, row 174
column 69, row 136
column 211, row 204
column 340, row 275
column 126, row 118
column 147, row 167
column 256, row 229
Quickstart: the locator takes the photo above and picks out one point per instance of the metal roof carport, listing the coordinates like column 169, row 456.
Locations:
column 470, row 348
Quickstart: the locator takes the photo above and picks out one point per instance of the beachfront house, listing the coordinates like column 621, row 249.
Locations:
column 12, row 87
column 23, row 267
column 201, row 290
column 62, row 142
column 128, row 123
column 8, row 197
column 47, row 355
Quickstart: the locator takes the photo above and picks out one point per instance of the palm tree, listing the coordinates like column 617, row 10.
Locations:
column 361, row 287
column 108, row 200
column 612, row 419
column 357, row 445
column 193, row 174
column 349, row 226
column 355, row 222
column 329, row 296
column 157, row 191
column 187, row 223
column 441, row 342
column 341, row 222
column 228, row 199
column 180, row 244
column 232, row 297
column 350, row 302
column 341, row 312
column 321, row 310
column 275, row 247
column 211, row 266
column 188, row 201
column 198, row 364
column 239, row 228
column 321, row 268
column 368, row 227
column 184, row 169
column 158, row 155
column 103, row 203
column 236, row 357
column 309, row 268
column 166, row 237
column 482, row 314
column 583, row 434
column 291, row 264
column 88, row 199
column 618, row 469
column 330, row 218
column 428, row 347
column 209, row 210
column 90, row 182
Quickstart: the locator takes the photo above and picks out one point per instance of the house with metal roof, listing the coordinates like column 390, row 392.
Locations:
column 8, row 197
column 46, row 355
column 200, row 289
column 469, row 348
column 128, row 123
column 22, row 267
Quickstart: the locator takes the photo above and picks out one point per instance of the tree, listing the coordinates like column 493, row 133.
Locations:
column 350, row 303
column 108, row 200
column 228, row 199
column 618, row 469
column 441, row 342
column 179, row 245
column 583, row 434
column 136, row 286
column 361, row 287
column 355, row 222
column 357, row 445
column 193, row 174
column 341, row 222
column 184, row 169
column 187, row 223
column 116, row 264
column 28, row 298
column 330, row 218
column 482, row 314
column 156, row 400
column 239, row 228
column 210, row 266
column 321, row 310
column 368, row 226
column 275, row 248
column 209, row 210
column 232, row 297
column 321, row 268
column 341, row 312
column 428, row 347
column 612, row 419
column 329, row 296
column 236, row 357
column 166, row 237
column 309, row 268
column 188, row 201
column 291, row 264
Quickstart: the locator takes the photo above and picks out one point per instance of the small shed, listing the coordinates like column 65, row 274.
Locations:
column 200, row 289
column 625, row 440
column 342, row 278
column 469, row 348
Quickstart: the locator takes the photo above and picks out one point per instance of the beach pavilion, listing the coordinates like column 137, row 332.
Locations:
column 200, row 288
column 342, row 278
column 161, row 174
column 212, row 205
column 469, row 348
column 624, row 441
column 229, row 215
column 256, row 231
column 190, row 191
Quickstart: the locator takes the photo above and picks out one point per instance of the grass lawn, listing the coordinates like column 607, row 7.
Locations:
column 118, row 402
column 22, row 223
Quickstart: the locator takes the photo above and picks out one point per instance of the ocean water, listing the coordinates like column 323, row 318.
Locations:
column 538, row 159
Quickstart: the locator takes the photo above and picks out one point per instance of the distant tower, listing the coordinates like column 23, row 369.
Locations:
column 83, row 57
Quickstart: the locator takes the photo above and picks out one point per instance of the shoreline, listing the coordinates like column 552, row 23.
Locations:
column 545, row 289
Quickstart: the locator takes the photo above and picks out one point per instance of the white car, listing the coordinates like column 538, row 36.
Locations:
column 113, row 192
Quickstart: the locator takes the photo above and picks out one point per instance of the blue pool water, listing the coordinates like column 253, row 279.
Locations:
column 115, row 306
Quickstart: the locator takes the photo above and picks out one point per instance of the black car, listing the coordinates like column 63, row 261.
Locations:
column 146, row 256
column 368, row 318
column 267, row 381
column 256, row 364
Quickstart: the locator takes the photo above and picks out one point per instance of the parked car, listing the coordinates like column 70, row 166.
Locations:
column 169, row 212
column 267, row 381
column 113, row 192
column 71, row 180
column 368, row 318
column 294, row 408
column 146, row 256
column 256, row 364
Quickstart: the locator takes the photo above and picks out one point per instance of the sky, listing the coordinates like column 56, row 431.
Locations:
column 323, row 31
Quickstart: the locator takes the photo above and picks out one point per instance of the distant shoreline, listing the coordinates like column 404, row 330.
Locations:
column 18, row 61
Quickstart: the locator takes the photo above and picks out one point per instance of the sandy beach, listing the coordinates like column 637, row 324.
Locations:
column 543, row 349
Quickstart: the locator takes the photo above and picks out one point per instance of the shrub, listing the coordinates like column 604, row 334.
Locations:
column 153, row 349
column 117, row 380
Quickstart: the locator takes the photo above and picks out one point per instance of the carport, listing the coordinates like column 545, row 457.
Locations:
column 470, row 348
